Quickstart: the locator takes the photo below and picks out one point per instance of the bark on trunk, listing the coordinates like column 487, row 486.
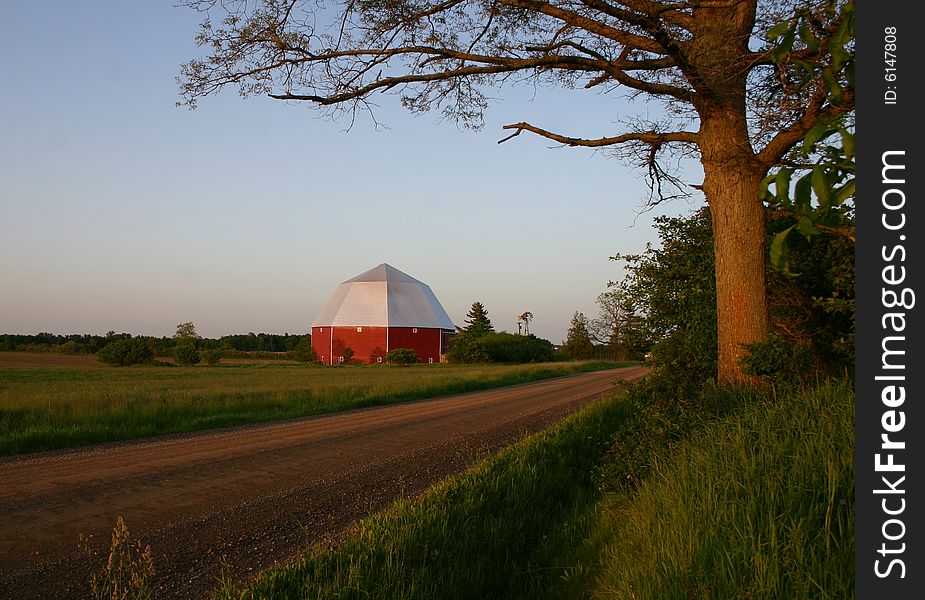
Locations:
column 731, row 179
column 718, row 52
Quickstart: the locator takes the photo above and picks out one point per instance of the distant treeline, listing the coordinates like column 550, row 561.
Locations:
column 241, row 345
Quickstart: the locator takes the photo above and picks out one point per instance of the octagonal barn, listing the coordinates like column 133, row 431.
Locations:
column 377, row 311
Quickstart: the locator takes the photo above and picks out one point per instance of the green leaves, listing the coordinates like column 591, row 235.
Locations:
column 779, row 251
column 777, row 31
column 822, row 187
column 786, row 44
column 807, row 53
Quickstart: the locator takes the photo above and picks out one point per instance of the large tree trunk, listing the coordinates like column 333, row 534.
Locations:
column 718, row 53
column 731, row 179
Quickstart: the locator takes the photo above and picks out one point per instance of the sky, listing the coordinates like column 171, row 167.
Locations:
column 120, row 211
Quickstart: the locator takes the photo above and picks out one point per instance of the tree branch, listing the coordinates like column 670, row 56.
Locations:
column 816, row 111
column 494, row 66
column 776, row 213
column 653, row 138
column 590, row 25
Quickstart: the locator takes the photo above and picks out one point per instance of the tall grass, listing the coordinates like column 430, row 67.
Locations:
column 759, row 505
column 44, row 409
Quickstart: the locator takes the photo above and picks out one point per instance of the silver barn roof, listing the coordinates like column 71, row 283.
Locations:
column 383, row 297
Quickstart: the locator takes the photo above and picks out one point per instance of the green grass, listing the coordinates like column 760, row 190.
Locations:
column 44, row 409
column 756, row 504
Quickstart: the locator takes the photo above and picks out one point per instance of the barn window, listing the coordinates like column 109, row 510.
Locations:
column 359, row 329
column 414, row 330
column 431, row 360
column 378, row 359
column 340, row 359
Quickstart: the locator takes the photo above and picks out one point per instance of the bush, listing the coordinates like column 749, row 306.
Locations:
column 211, row 357
column 402, row 356
column 303, row 351
column 186, row 354
column 509, row 348
column 124, row 352
column 777, row 360
column 500, row 348
column 467, row 349
column 664, row 410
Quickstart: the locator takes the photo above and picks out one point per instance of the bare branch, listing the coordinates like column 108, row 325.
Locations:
column 652, row 138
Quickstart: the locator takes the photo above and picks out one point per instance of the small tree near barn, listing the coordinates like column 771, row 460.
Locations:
column 477, row 321
column 303, row 351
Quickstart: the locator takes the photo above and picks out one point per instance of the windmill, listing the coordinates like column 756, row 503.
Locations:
column 523, row 322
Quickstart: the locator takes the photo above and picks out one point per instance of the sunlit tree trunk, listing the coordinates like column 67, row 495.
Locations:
column 731, row 179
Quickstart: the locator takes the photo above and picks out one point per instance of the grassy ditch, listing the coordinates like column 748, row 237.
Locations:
column 758, row 505
column 44, row 409
column 750, row 497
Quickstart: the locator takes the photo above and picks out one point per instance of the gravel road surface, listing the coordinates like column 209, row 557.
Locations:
column 252, row 496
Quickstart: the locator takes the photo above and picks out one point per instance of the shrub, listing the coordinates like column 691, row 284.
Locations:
column 509, row 348
column 402, row 356
column 467, row 349
column 211, row 357
column 124, row 352
column 777, row 360
column 664, row 410
column 303, row 351
column 186, row 354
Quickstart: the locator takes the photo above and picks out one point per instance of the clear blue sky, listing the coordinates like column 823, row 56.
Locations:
column 120, row 211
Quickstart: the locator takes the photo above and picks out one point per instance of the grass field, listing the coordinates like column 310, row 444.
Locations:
column 44, row 408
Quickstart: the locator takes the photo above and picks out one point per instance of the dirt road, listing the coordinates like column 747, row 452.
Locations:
column 255, row 495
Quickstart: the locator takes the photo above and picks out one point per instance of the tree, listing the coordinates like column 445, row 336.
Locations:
column 186, row 332
column 126, row 351
column 477, row 321
column 670, row 291
column 743, row 82
column 669, row 298
column 607, row 328
column 578, row 344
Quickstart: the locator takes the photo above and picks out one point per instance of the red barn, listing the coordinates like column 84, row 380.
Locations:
column 377, row 311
